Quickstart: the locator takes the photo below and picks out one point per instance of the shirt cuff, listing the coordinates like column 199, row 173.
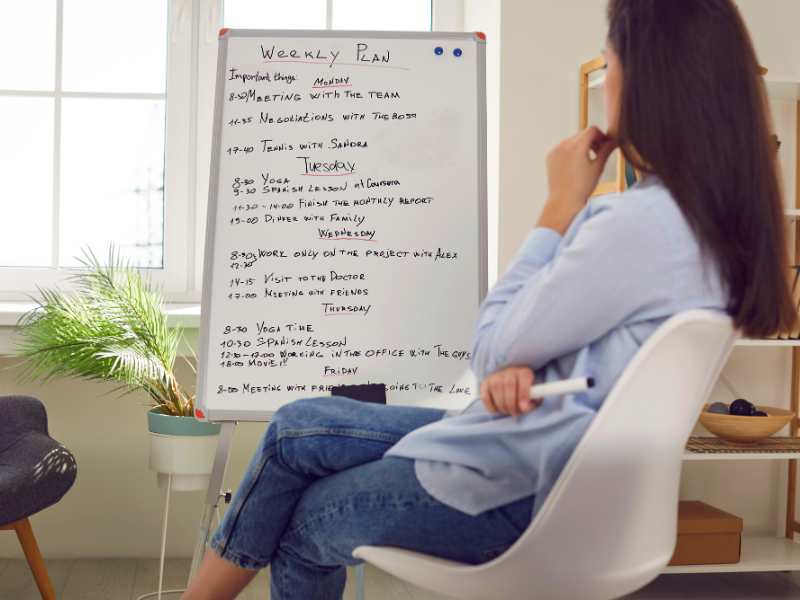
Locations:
column 540, row 245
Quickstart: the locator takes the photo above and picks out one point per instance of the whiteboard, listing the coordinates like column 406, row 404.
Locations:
column 346, row 226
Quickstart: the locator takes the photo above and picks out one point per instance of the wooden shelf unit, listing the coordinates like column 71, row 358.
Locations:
column 592, row 76
column 792, row 525
column 759, row 553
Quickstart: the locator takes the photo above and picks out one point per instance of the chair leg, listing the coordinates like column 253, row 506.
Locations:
column 34, row 558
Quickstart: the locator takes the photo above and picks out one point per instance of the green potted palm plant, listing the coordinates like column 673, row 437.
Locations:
column 112, row 328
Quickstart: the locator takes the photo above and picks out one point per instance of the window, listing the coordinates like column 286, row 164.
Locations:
column 82, row 156
column 107, row 111
column 412, row 15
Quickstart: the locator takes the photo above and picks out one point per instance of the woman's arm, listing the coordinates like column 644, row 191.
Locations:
column 537, row 250
column 607, row 273
column 572, row 175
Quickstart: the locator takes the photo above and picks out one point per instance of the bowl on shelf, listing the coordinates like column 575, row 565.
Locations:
column 746, row 429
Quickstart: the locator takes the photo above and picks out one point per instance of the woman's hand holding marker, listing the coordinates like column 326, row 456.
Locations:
column 508, row 391
column 511, row 391
column 574, row 167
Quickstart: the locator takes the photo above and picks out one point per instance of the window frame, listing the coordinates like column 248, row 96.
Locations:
column 192, row 28
column 18, row 283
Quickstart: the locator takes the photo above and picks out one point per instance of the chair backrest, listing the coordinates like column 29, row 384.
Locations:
column 609, row 524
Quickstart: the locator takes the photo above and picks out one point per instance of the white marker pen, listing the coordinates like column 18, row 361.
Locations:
column 565, row 386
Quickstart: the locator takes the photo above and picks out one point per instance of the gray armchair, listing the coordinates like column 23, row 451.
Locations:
column 35, row 472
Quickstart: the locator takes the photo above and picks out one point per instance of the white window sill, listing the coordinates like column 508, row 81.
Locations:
column 184, row 315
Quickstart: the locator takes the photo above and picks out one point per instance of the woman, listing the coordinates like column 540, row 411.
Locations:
column 702, row 229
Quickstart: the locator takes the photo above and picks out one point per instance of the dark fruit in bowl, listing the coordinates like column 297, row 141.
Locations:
column 719, row 408
column 742, row 408
column 760, row 413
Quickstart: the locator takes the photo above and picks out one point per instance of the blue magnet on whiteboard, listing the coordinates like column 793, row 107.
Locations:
column 438, row 50
column 457, row 52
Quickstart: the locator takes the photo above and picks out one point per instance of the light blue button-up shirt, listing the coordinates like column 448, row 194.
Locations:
column 580, row 305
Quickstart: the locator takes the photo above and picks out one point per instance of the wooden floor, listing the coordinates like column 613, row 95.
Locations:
column 127, row 579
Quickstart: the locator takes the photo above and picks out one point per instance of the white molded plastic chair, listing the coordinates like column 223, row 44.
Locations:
column 609, row 525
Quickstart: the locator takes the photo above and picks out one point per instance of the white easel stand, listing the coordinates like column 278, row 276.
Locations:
column 215, row 492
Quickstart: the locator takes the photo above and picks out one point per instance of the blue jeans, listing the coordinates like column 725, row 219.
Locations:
column 318, row 487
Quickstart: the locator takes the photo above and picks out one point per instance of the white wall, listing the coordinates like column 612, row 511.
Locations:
column 544, row 43
column 480, row 15
column 773, row 27
column 115, row 507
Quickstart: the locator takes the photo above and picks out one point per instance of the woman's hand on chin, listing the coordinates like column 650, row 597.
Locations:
column 508, row 391
column 572, row 175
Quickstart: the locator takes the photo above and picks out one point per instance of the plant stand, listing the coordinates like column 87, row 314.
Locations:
column 158, row 594
column 181, row 454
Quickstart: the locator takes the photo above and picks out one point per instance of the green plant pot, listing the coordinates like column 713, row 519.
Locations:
column 158, row 422
column 181, row 450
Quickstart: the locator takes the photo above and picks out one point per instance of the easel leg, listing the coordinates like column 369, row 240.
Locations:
column 213, row 494
column 360, row 582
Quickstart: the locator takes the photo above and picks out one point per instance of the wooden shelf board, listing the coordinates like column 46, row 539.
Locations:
column 597, row 78
column 709, row 447
column 741, row 455
column 714, row 448
column 792, row 213
column 786, row 90
column 766, row 342
column 759, row 553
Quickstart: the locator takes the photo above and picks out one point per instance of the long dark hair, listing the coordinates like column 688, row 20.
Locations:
column 694, row 112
